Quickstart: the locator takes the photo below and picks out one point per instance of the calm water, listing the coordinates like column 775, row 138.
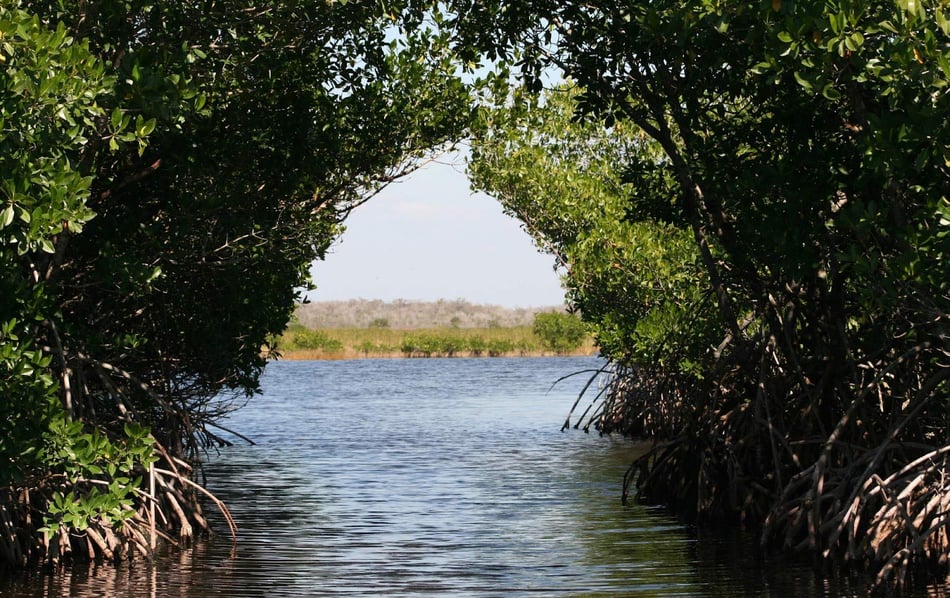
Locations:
column 433, row 477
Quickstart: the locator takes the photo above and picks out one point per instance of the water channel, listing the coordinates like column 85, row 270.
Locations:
column 434, row 477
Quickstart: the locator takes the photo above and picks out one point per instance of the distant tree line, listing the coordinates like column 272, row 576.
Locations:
column 405, row 315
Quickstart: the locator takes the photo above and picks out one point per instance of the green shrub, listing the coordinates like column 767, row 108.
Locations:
column 417, row 345
column 559, row 332
column 477, row 345
column 314, row 340
column 499, row 347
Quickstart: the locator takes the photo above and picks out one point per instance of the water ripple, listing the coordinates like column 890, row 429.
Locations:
column 430, row 477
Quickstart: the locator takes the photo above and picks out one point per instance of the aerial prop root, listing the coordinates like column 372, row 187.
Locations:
column 172, row 513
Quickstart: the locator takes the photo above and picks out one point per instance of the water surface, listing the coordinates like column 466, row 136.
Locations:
column 433, row 477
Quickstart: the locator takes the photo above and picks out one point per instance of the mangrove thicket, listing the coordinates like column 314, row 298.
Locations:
column 168, row 172
column 751, row 202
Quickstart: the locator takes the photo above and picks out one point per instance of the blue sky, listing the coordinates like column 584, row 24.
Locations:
column 429, row 237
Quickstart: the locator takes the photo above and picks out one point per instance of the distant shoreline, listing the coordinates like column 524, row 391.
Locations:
column 351, row 354
column 364, row 329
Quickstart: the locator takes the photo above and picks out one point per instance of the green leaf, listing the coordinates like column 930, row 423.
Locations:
column 157, row 272
column 6, row 216
column 803, row 81
column 942, row 20
column 830, row 93
column 143, row 129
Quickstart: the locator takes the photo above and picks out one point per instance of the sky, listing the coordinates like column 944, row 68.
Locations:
column 428, row 237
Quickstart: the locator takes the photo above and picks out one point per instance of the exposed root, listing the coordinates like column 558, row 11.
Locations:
column 856, row 474
column 178, row 518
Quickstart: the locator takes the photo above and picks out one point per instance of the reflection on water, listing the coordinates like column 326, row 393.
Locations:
column 415, row 477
